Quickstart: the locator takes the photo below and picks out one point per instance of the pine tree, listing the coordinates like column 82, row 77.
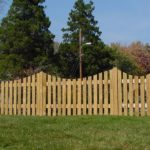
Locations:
column 96, row 57
column 26, row 44
column 81, row 17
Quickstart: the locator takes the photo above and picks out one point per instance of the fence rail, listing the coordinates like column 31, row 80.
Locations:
column 109, row 93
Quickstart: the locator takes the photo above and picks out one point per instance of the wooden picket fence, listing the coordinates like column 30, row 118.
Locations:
column 109, row 93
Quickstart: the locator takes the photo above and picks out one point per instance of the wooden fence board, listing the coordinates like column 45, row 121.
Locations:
column 54, row 95
column 15, row 97
column 2, row 97
column 19, row 96
column 119, row 92
column 10, row 97
column 131, row 95
column 84, row 96
column 29, row 96
column 148, row 94
column 90, row 95
column 33, row 96
column 64, row 97
column 115, row 90
column 100, row 94
column 59, row 96
column 6, row 98
column 111, row 93
column 106, row 93
column 125, row 99
column 74, row 96
column 49, row 96
column 38, row 95
column 79, row 97
column 142, row 95
column 44, row 94
column 95, row 94
column 136, row 95
column 24, row 96
column 69, row 97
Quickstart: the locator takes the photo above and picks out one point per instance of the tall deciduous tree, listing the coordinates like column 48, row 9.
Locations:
column 139, row 53
column 26, row 44
column 96, row 57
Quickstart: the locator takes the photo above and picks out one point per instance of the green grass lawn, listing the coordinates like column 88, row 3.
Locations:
column 74, row 133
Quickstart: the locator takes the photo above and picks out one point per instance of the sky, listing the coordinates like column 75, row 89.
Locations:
column 121, row 21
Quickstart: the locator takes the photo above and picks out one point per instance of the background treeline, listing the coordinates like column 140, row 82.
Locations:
column 27, row 45
column 138, row 53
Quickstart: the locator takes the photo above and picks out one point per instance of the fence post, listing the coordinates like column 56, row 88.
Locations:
column 148, row 94
column 41, row 93
column 115, row 90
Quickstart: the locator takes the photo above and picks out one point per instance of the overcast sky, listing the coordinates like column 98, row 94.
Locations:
column 121, row 21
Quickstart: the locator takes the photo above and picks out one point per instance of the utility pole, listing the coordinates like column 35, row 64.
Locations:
column 80, row 54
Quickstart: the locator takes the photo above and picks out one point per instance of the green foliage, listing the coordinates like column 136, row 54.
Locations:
column 25, row 35
column 126, row 63
column 96, row 57
column 10, row 66
column 68, row 60
column 81, row 17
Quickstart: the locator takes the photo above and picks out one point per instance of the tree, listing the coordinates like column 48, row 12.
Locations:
column 134, row 58
column 25, row 38
column 124, row 61
column 140, row 52
column 96, row 57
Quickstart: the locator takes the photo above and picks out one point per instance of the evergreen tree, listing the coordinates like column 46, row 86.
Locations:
column 26, row 44
column 96, row 56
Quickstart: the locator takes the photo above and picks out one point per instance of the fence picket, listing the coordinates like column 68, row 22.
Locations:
column 100, row 94
column 95, row 94
column 90, row 95
column 84, row 96
column 131, row 95
column 115, row 90
column 33, row 96
column 111, row 93
column 142, row 95
column 106, row 93
column 119, row 92
column 10, row 97
column 59, row 96
column 49, row 96
column 74, row 96
column 15, row 97
column 29, row 96
column 54, row 95
column 125, row 101
column 69, row 97
column 79, row 97
column 19, row 96
column 6, row 98
column 44, row 94
column 2, row 98
column 148, row 94
column 64, row 97
column 136, row 95
column 24, row 96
